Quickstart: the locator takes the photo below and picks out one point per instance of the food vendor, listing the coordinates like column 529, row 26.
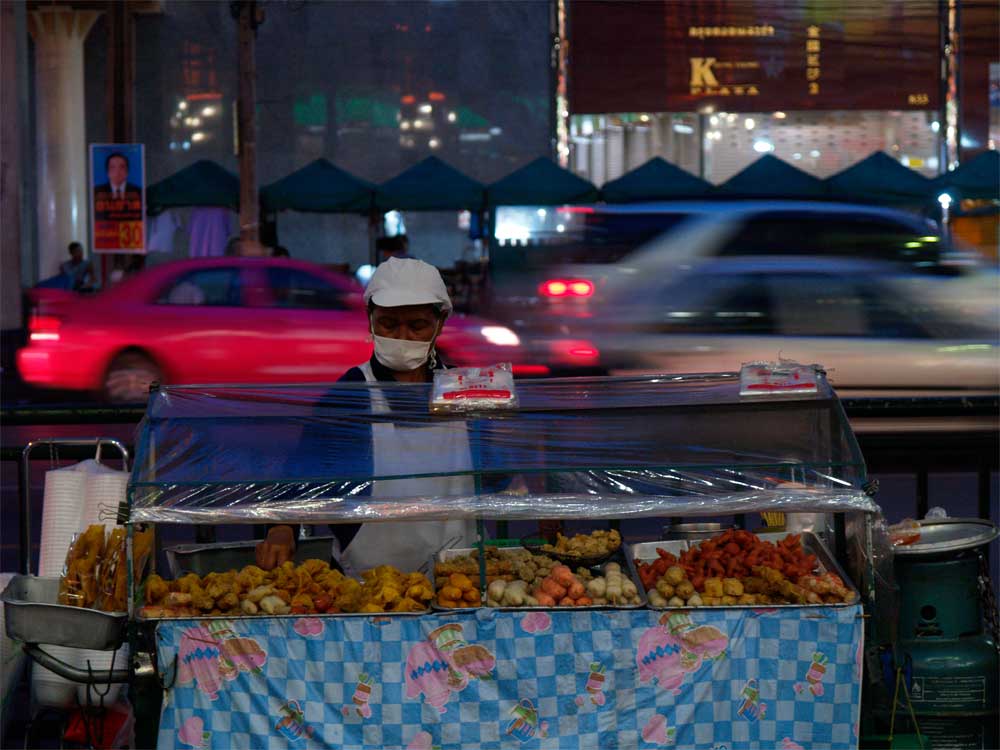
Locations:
column 408, row 305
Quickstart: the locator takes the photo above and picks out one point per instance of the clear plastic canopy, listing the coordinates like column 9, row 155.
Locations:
column 576, row 447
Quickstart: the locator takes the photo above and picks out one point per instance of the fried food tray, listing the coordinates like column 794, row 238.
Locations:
column 826, row 563
column 32, row 614
column 203, row 559
column 218, row 558
column 619, row 556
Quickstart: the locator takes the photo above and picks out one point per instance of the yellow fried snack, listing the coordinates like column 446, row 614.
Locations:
column 310, row 587
column 79, row 585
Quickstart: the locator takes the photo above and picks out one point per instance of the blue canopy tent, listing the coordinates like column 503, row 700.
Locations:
column 770, row 177
column 203, row 183
column 976, row 179
column 430, row 185
column 656, row 180
column 541, row 182
column 881, row 179
column 319, row 187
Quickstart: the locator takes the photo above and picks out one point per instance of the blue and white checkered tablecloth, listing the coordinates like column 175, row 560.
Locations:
column 709, row 678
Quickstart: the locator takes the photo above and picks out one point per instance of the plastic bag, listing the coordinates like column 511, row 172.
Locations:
column 462, row 389
column 113, row 593
column 905, row 532
column 95, row 574
column 777, row 378
column 78, row 585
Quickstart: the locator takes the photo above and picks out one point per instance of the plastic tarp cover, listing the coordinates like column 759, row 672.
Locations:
column 593, row 447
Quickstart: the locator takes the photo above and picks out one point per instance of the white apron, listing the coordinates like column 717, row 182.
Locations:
column 410, row 545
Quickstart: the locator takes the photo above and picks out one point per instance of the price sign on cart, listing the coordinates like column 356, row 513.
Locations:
column 777, row 378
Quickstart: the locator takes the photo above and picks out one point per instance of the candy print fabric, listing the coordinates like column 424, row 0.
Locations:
column 711, row 678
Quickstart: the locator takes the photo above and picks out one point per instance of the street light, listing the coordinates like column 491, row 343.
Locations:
column 945, row 201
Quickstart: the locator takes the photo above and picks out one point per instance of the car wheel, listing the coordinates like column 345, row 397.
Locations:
column 128, row 378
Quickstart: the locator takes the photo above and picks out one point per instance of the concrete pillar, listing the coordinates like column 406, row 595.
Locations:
column 59, row 33
column 12, row 98
column 614, row 152
column 637, row 140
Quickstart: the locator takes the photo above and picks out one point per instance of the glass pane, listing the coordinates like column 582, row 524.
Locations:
column 218, row 287
column 301, row 290
column 818, row 305
column 714, row 305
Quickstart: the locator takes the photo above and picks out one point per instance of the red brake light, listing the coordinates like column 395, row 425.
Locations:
column 583, row 351
column 567, row 288
column 555, row 288
column 44, row 328
column 530, row 370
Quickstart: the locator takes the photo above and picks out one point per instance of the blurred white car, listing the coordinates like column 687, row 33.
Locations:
column 602, row 247
column 872, row 327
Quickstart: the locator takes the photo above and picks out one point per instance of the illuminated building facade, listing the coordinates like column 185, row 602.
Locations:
column 714, row 84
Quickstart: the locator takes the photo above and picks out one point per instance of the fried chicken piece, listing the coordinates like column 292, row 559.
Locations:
column 250, row 578
column 314, row 567
column 406, row 604
column 420, row 591
column 201, row 600
column 156, row 589
column 186, row 584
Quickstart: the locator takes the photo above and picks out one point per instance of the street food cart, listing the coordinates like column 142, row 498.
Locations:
column 618, row 451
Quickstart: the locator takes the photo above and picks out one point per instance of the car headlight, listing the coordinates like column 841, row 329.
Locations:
column 500, row 336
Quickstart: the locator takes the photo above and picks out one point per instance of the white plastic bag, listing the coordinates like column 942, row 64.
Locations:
column 463, row 389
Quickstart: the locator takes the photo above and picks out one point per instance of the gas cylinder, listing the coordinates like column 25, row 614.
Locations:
column 942, row 630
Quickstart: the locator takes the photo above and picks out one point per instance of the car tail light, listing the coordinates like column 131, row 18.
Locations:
column 567, row 288
column 531, row 370
column 44, row 328
column 575, row 352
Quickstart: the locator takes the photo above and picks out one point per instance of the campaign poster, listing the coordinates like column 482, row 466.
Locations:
column 118, row 202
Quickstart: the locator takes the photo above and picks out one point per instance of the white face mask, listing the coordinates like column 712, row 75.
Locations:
column 400, row 355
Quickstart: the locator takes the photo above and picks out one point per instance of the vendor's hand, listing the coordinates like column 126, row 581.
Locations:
column 277, row 549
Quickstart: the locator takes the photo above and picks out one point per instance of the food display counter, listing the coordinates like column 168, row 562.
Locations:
column 764, row 650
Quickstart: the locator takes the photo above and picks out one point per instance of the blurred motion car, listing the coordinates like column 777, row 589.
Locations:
column 867, row 323
column 225, row 320
column 601, row 246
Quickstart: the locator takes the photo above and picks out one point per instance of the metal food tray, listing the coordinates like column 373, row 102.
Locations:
column 217, row 558
column 203, row 559
column 826, row 563
column 258, row 618
column 32, row 614
column 619, row 556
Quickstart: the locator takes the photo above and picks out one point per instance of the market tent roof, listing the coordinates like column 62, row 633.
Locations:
column 541, row 183
column 638, row 446
column 770, row 177
column 430, row 185
column 203, row 183
column 881, row 179
column 977, row 179
column 319, row 187
column 657, row 179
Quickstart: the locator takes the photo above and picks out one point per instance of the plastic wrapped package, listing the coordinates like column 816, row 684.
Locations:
column 594, row 447
column 467, row 389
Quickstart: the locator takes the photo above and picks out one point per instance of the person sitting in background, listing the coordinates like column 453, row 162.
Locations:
column 393, row 247
column 79, row 272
